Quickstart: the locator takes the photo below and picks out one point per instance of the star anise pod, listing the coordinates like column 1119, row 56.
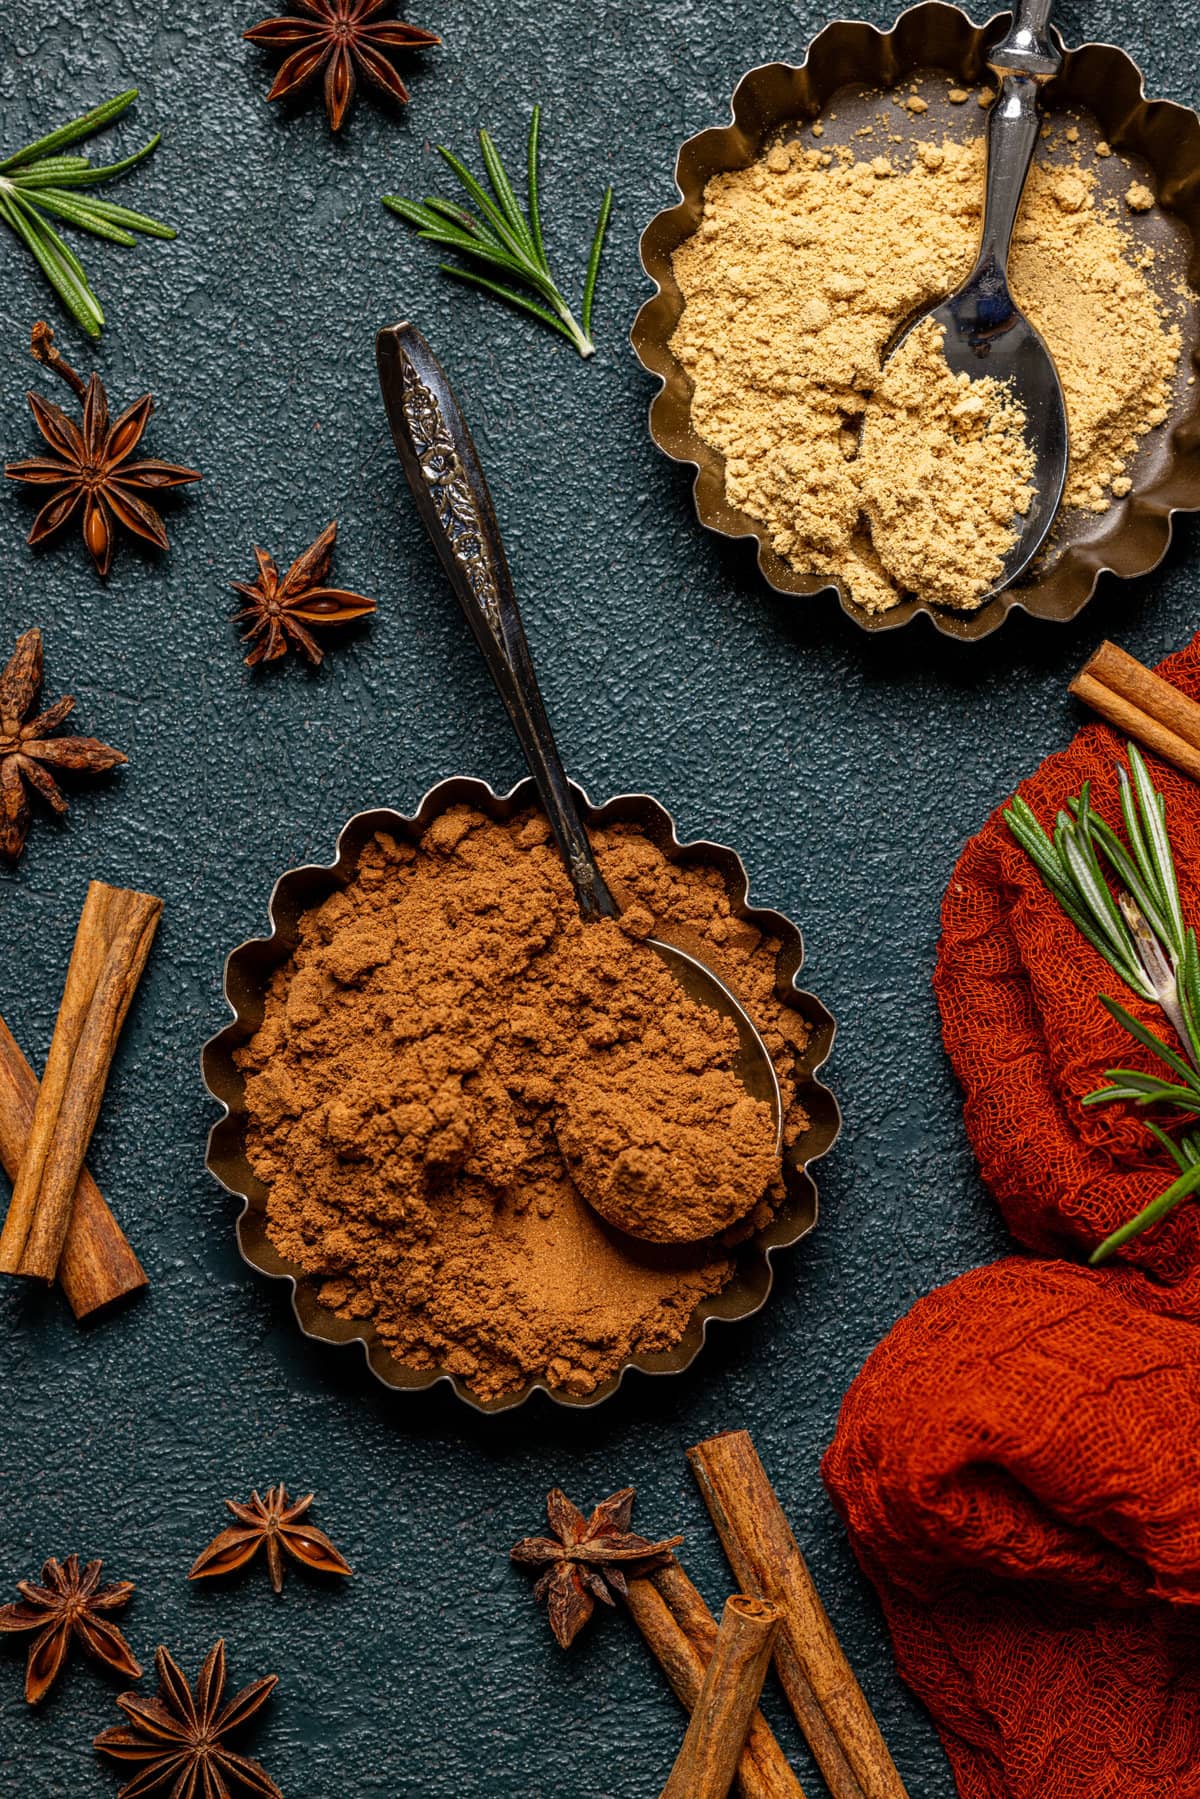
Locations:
column 178, row 1737
column 69, row 1602
column 341, row 39
column 28, row 751
column 278, row 610
column 274, row 1521
column 586, row 1559
column 90, row 465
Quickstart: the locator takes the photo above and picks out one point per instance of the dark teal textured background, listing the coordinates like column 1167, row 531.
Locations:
column 847, row 771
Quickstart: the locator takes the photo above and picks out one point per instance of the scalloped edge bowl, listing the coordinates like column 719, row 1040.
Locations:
column 248, row 970
column 1097, row 78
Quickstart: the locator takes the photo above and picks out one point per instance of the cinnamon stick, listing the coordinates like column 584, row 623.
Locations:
column 115, row 932
column 1142, row 705
column 98, row 1266
column 828, row 1702
column 680, row 1632
column 727, row 1701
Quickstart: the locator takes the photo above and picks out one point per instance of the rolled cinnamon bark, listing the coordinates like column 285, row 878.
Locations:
column 115, row 932
column 828, row 1702
column 1142, row 705
column 97, row 1266
column 682, row 1644
column 728, row 1699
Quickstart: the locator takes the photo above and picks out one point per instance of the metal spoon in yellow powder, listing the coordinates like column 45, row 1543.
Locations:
column 985, row 331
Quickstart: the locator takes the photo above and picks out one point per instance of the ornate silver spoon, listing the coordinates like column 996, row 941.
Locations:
column 986, row 333
column 443, row 470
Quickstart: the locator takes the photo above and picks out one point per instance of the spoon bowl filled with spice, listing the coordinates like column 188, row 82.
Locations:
column 977, row 358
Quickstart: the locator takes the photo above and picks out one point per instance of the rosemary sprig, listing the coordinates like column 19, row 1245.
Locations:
column 40, row 180
column 1140, row 932
column 499, row 236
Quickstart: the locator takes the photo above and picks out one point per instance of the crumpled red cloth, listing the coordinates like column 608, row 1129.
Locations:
column 1017, row 988
column 1018, row 1463
column 1018, row 1466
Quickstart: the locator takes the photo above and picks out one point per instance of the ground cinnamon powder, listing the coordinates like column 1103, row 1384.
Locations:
column 450, row 1055
column 803, row 268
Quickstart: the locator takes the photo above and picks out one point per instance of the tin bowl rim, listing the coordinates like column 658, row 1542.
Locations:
column 1060, row 594
column 256, row 956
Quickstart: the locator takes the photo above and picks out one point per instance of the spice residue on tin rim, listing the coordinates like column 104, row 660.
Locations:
column 807, row 263
column 407, row 1091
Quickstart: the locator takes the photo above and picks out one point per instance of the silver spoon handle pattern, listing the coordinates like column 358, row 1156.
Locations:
column 1022, row 61
column 444, row 472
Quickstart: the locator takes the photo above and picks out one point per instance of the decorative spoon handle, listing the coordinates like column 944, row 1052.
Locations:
column 443, row 470
column 1021, row 61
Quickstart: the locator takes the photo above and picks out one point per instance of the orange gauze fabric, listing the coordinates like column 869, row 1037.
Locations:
column 1018, row 1467
column 1018, row 991
column 1018, row 1463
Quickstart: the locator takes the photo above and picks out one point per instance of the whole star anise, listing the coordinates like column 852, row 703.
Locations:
column 278, row 610
column 69, row 1602
column 90, row 464
column 342, row 39
column 28, row 751
column 586, row 1559
column 274, row 1521
column 178, row 1738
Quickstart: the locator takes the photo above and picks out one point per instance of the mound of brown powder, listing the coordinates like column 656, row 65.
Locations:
column 449, row 1042
column 803, row 268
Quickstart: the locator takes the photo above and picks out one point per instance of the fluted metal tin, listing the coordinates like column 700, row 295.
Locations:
column 248, row 972
column 1160, row 138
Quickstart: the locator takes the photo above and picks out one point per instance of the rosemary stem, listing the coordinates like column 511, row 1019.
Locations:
column 579, row 337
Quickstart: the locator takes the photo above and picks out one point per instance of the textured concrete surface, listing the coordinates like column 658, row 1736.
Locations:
column 848, row 771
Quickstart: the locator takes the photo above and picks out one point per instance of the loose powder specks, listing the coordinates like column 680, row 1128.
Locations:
column 803, row 269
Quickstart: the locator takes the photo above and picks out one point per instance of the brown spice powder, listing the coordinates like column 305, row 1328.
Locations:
column 436, row 1064
column 804, row 266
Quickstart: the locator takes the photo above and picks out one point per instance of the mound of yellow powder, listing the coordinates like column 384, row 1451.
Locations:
column 946, row 473
column 803, row 268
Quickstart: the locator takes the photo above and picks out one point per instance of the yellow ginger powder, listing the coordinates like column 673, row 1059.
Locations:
column 799, row 275
column 945, row 473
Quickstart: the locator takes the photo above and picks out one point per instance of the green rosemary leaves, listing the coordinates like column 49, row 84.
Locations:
column 40, row 180
column 1124, row 898
column 501, row 238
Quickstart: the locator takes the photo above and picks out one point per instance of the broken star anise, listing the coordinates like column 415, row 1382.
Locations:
column 28, row 751
column 587, row 1559
column 341, row 39
column 177, row 1737
column 279, row 610
column 69, row 1601
column 274, row 1521
column 90, row 464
